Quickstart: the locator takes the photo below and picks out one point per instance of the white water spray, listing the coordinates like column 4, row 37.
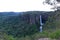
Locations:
column 41, row 23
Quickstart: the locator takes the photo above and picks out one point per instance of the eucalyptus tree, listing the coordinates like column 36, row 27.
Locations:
column 54, row 3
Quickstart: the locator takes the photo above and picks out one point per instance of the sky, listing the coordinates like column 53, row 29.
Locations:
column 23, row 5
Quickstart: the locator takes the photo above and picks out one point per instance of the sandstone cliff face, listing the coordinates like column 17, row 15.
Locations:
column 34, row 17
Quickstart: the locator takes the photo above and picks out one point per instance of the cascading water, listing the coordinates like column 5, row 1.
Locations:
column 41, row 23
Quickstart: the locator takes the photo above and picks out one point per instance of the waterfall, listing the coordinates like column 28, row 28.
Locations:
column 41, row 23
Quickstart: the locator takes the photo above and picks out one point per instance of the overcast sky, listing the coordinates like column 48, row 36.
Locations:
column 23, row 5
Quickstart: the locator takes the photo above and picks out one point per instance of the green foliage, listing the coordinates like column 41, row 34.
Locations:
column 55, row 35
column 22, row 24
column 9, row 37
column 16, row 26
column 35, row 36
column 27, row 25
column 49, row 25
column 4, row 36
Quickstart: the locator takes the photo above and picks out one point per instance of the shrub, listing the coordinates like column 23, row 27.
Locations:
column 55, row 35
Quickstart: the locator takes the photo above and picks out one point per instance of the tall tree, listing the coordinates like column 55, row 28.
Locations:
column 53, row 3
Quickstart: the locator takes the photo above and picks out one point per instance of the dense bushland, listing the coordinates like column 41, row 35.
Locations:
column 26, row 25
